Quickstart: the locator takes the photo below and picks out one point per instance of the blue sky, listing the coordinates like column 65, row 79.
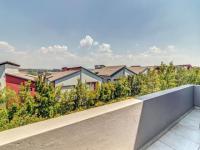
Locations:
column 48, row 34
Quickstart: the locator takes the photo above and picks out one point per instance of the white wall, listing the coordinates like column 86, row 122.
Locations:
column 2, row 77
column 69, row 80
column 118, row 75
column 124, row 72
column 128, row 73
column 84, row 75
column 6, row 68
column 145, row 72
column 11, row 69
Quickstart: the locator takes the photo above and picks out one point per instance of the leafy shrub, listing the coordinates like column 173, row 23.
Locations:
column 8, row 97
column 93, row 96
column 122, row 88
column 134, row 83
column 3, row 118
column 46, row 98
column 27, row 100
column 107, row 91
column 22, row 120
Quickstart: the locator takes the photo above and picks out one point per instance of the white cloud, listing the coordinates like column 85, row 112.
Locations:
column 4, row 46
column 86, row 42
column 161, row 52
column 57, row 56
column 155, row 50
column 171, row 47
column 54, row 49
column 96, row 43
column 105, row 48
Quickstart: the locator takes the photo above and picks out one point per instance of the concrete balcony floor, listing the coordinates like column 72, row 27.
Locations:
column 185, row 135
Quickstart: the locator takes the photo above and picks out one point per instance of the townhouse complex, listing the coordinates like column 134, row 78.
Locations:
column 11, row 76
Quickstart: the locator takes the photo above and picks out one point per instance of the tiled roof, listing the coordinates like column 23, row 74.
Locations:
column 107, row 70
column 137, row 69
column 23, row 76
column 57, row 75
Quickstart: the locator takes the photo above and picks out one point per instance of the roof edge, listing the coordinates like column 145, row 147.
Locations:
column 10, row 63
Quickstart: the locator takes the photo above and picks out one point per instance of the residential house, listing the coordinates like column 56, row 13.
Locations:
column 112, row 73
column 138, row 69
column 12, row 78
column 68, row 78
column 184, row 66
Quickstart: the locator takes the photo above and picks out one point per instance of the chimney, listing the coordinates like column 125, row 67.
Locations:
column 71, row 68
column 136, row 66
column 99, row 66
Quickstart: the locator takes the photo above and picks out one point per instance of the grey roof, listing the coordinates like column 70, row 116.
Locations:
column 137, row 69
column 10, row 63
column 57, row 75
column 108, row 70
column 23, row 76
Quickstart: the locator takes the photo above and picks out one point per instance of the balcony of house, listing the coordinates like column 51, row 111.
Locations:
column 185, row 135
column 165, row 120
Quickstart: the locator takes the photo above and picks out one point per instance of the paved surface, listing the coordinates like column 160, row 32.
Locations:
column 183, row 136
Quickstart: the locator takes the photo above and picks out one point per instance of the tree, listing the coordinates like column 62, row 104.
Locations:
column 150, row 82
column 93, row 96
column 3, row 118
column 182, row 76
column 8, row 97
column 46, row 98
column 122, row 88
column 107, row 91
column 80, row 95
column 167, row 76
column 27, row 100
column 134, row 83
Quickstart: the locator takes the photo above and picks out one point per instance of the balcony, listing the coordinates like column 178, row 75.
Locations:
column 165, row 120
column 185, row 135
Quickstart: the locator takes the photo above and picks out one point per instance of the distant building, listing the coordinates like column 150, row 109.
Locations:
column 68, row 78
column 12, row 78
column 112, row 73
column 185, row 66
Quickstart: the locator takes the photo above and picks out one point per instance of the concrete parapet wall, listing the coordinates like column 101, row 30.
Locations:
column 110, row 127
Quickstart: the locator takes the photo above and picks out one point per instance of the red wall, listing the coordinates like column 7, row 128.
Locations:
column 14, row 83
